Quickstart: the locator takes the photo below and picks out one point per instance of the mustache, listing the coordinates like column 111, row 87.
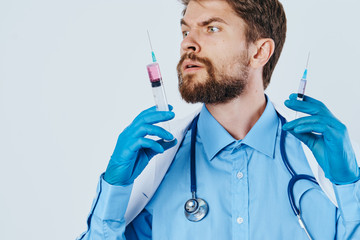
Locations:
column 192, row 56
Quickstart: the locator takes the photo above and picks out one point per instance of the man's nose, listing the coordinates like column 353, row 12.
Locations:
column 190, row 43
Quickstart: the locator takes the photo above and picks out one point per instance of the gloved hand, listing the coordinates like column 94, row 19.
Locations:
column 133, row 151
column 326, row 137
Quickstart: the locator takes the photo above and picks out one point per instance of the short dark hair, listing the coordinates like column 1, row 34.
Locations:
column 264, row 19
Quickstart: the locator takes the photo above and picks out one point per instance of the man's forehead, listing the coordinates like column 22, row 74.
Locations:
column 203, row 10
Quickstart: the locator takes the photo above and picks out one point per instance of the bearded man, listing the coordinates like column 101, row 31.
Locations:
column 224, row 173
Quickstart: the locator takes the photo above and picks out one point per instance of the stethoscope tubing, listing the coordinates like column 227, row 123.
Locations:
column 192, row 156
column 294, row 176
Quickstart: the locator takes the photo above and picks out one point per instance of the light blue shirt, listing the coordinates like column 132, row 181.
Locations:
column 245, row 184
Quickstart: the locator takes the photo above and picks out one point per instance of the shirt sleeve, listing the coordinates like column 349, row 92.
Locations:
column 140, row 227
column 106, row 219
column 348, row 198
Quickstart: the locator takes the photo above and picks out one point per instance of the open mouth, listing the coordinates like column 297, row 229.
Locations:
column 191, row 67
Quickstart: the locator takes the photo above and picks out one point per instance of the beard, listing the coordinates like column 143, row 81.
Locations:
column 218, row 86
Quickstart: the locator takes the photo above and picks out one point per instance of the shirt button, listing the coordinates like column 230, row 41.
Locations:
column 240, row 220
column 239, row 175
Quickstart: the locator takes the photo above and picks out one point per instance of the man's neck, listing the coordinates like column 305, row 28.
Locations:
column 239, row 115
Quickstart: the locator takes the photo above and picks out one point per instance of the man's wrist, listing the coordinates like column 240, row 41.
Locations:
column 112, row 200
column 110, row 180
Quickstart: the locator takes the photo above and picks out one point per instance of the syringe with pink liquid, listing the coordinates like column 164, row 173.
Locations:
column 157, row 85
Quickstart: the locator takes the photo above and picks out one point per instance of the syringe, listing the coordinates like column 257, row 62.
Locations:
column 302, row 85
column 157, row 85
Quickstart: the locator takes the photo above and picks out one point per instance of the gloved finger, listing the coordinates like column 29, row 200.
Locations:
column 308, row 138
column 152, row 109
column 165, row 144
column 307, row 99
column 308, row 108
column 311, row 106
column 153, row 130
column 140, row 143
column 315, row 119
column 152, row 118
column 330, row 134
column 311, row 128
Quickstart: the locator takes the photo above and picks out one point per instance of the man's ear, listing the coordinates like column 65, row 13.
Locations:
column 262, row 50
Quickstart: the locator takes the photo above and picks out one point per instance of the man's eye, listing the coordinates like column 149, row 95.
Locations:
column 185, row 33
column 213, row 29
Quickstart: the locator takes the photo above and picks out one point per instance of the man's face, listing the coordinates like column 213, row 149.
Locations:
column 214, row 63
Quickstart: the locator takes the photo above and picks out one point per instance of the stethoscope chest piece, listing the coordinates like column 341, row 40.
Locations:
column 195, row 209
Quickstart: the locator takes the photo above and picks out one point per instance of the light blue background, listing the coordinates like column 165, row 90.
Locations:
column 73, row 75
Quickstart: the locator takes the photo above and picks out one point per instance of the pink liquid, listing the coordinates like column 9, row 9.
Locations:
column 154, row 72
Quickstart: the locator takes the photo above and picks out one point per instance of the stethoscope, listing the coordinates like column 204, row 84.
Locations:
column 196, row 208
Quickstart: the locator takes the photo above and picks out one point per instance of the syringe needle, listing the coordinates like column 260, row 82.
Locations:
column 152, row 51
column 149, row 39
column 307, row 62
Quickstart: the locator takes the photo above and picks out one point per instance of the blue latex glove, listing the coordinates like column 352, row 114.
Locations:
column 133, row 151
column 326, row 137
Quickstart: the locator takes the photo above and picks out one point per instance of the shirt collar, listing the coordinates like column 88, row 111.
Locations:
column 214, row 137
column 266, row 129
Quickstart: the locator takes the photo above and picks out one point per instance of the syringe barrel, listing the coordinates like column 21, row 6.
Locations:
column 157, row 87
column 301, row 91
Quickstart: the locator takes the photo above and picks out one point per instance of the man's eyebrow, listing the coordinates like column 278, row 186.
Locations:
column 182, row 22
column 206, row 22
column 211, row 20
